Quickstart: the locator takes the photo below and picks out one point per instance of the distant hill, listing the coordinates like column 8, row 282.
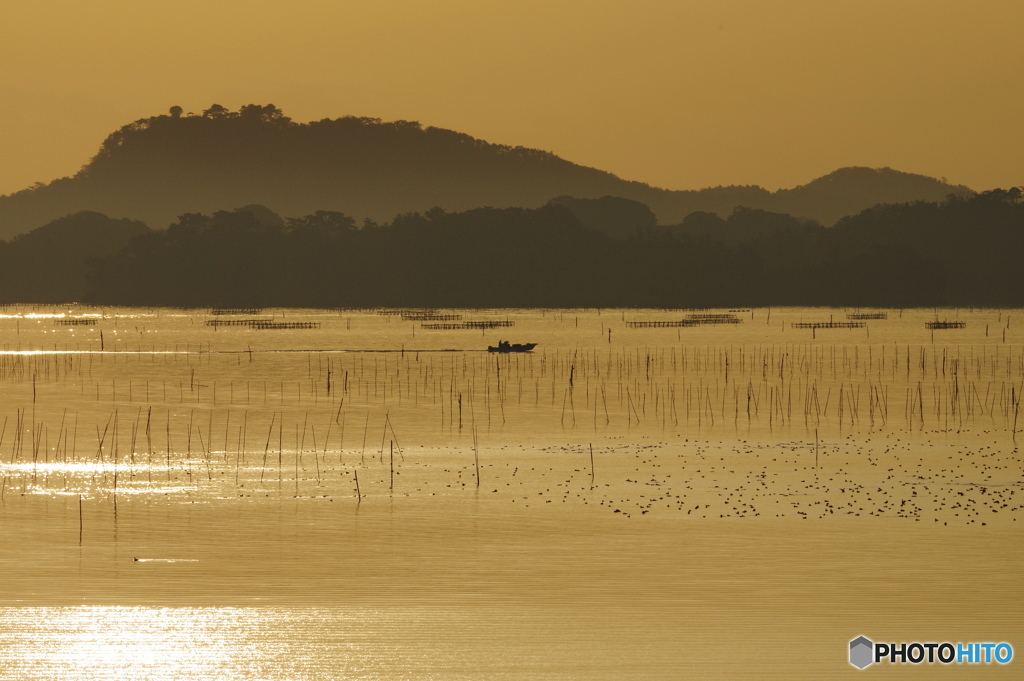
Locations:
column 158, row 168
column 848, row 191
column 51, row 264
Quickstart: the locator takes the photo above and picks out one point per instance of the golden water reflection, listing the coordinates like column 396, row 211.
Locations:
column 270, row 644
column 369, row 499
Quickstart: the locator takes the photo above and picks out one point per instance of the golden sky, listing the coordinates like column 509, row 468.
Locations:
column 681, row 94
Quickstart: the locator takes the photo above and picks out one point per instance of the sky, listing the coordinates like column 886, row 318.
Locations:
column 681, row 94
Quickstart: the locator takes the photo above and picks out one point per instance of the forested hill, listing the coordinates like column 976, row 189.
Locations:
column 158, row 168
column 963, row 252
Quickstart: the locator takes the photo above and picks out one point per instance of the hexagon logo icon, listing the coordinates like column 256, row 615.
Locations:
column 861, row 652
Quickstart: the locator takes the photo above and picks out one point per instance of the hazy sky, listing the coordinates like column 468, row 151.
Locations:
column 677, row 93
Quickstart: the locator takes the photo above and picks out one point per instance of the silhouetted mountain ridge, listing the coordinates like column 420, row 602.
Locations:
column 158, row 168
column 567, row 253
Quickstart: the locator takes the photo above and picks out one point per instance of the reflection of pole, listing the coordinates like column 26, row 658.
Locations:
column 79, row 519
column 591, row 465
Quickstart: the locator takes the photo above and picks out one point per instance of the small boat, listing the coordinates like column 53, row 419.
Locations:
column 505, row 346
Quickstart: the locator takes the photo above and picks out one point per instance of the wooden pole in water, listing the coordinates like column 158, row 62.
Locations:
column 359, row 495
column 592, row 463
column 266, row 449
column 815, row 449
column 391, row 427
column 1016, row 410
column 476, row 456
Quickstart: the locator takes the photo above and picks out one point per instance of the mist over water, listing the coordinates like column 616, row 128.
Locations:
column 355, row 494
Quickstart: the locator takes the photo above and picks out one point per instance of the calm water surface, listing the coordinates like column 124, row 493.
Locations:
column 377, row 499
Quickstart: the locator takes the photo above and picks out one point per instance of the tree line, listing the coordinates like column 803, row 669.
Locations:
column 568, row 253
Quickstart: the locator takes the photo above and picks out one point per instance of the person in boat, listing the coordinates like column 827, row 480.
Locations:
column 504, row 345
